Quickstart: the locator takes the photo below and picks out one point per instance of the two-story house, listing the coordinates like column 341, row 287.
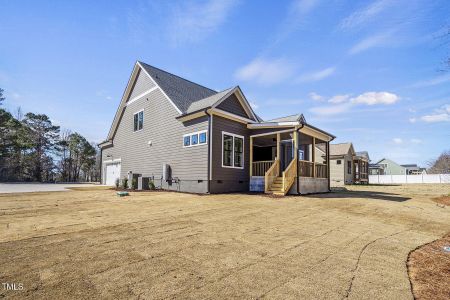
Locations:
column 187, row 137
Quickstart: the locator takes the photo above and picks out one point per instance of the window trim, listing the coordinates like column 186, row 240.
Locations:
column 198, row 138
column 232, row 150
column 139, row 111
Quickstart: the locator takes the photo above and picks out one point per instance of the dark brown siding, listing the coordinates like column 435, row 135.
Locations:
column 232, row 105
column 228, row 179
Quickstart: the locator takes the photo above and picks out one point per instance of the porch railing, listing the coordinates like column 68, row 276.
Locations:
column 261, row 167
column 289, row 176
column 305, row 168
column 321, row 171
column 310, row 169
column 271, row 175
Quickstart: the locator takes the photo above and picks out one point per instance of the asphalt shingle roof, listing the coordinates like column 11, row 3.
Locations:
column 363, row 154
column 340, row 149
column 181, row 91
column 208, row 101
column 292, row 118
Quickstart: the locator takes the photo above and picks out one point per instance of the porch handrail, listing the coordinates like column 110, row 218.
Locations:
column 271, row 174
column 321, row 170
column 260, row 167
column 289, row 176
column 305, row 168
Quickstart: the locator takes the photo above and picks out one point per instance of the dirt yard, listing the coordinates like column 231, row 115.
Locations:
column 91, row 244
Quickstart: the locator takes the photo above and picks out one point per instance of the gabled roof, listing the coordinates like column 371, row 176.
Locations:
column 363, row 154
column 340, row 149
column 291, row 118
column 208, row 101
column 182, row 92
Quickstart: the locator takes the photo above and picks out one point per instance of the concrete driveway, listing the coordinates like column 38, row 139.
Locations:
column 37, row 187
column 91, row 244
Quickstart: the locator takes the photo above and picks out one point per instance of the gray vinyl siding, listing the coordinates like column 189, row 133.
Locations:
column 165, row 132
column 232, row 105
column 142, row 84
column 228, row 179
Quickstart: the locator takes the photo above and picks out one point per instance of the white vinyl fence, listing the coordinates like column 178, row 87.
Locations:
column 422, row 178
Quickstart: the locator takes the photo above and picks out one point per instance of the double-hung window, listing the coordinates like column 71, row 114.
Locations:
column 138, row 120
column 232, row 150
column 195, row 139
column 349, row 167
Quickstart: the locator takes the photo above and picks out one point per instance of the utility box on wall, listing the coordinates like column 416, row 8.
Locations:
column 166, row 174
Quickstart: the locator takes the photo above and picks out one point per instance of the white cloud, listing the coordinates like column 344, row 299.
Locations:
column 397, row 141
column 331, row 110
column 316, row 97
column 365, row 14
column 265, row 71
column 318, row 75
column 339, row 99
column 192, row 22
column 412, row 120
column 436, row 118
column 416, row 141
column 439, row 115
column 370, row 42
column 343, row 103
column 432, row 82
column 372, row 98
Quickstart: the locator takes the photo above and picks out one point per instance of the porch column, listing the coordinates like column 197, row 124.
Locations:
column 295, row 133
column 251, row 156
column 314, row 156
column 278, row 151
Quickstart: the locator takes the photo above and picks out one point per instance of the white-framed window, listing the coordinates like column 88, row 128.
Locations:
column 195, row 139
column 138, row 120
column 232, row 150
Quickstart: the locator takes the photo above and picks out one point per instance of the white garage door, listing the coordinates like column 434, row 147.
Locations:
column 112, row 173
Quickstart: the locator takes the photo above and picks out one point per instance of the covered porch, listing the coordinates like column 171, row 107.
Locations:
column 361, row 170
column 294, row 161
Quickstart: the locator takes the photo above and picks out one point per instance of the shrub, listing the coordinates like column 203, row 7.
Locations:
column 125, row 183
column 151, row 185
column 117, row 183
column 134, row 184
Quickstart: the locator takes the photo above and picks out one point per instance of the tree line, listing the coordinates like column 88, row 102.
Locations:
column 32, row 148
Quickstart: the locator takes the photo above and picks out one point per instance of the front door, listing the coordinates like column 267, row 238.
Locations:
column 286, row 153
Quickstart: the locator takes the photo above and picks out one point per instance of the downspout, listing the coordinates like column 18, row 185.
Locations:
column 298, row 143
column 209, row 150
column 328, row 164
column 101, row 165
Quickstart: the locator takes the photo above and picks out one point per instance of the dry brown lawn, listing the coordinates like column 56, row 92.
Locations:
column 88, row 244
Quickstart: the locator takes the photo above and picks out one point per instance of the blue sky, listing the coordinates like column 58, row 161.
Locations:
column 367, row 71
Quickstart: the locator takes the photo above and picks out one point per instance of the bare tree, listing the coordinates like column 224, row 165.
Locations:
column 441, row 165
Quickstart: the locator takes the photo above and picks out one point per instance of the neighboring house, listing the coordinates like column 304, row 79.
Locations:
column 361, row 167
column 348, row 166
column 413, row 169
column 387, row 167
column 341, row 163
column 190, row 138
